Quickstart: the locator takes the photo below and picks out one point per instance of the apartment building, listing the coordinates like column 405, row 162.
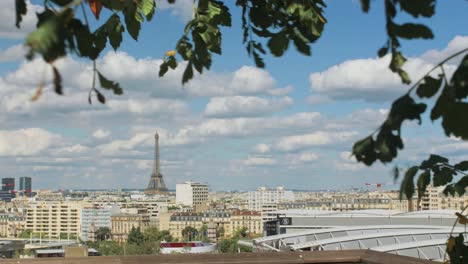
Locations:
column 192, row 194
column 435, row 199
column 94, row 217
column 264, row 197
column 11, row 225
column 251, row 220
column 54, row 219
column 179, row 221
column 122, row 223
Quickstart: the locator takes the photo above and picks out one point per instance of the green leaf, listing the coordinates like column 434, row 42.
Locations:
column 443, row 103
column 442, row 175
column 163, row 68
column 188, row 73
column 364, row 151
column 49, row 38
column 110, row 85
column 101, row 98
column 62, row 2
column 424, row 180
column 278, row 43
column 58, row 88
column 412, row 31
column 21, row 10
column 382, row 51
column 407, row 185
column 133, row 19
column 365, row 5
column 425, row 8
column 387, row 145
column 114, row 30
column 172, row 62
column 455, row 120
column 460, row 79
column 404, row 108
column 258, row 60
column 433, row 160
column 462, row 166
column 301, row 43
column 429, row 87
column 147, row 7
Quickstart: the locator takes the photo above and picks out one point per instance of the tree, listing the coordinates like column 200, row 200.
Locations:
column 26, row 233
column 110, row 248
column 153, row 234
column 103, row 233
column 189, row 233
column 135, row 236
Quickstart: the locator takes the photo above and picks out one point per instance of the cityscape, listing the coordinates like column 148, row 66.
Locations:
column 233, row 132
column 223, row 221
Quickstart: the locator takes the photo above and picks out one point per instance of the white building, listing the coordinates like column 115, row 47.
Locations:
column 191, row 193
column 268, row 198
column 94, row 218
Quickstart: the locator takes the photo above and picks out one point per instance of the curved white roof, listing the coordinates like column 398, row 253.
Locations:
column 371, row 212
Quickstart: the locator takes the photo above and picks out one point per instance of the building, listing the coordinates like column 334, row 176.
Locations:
column 263, row 198
column 92, row 218
column 11, row 225
column 192, row 194
column 8, row 184
column 252, row 220
column 435, row 199
column 179, row 221
column 54, row 219
column 122, row 223
column 25, row 184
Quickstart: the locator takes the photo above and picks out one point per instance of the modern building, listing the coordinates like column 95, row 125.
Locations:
column 54, row 219
column 8, row 184
column 92, row 218
column 264, row 197
column 25, row 184
column 252, row 220
column 191, row 194
column 122, row 224
column 421, row 234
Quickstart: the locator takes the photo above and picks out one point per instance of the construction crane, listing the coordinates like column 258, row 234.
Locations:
column 377, row 185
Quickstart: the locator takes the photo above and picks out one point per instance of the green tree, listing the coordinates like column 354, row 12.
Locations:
column 153, row 234
column 220, row 232
column 189, row 233
column 135, row 236
column 103, row 233
column 26, row 233
column 110, row 248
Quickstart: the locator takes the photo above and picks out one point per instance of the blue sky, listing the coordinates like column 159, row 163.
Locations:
column 234, row 127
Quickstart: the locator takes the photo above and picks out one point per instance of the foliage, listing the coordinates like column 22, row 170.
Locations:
column 135, row 236
column 230, row 245
column 189, row 233
column 241, row 232
column 103, row 233
column 153, row 234
column 109, row 248
column 26, row 233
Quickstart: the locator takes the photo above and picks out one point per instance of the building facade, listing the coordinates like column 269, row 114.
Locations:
column 122, row 223
column 25, row 184
column 191, row 194
column 264, row 197
column 252, row 220
column 92, row 218
column 54, row 219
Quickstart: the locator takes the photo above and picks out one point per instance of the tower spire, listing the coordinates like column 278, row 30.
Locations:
column 156, row 168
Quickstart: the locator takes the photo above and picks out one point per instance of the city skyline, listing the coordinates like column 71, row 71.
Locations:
column 235, row 127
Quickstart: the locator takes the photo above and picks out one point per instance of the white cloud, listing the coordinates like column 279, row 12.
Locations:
column 148, row 106
column 13, row 53
column 371, row 80
column 24, row 142
column 320, row 138
column 456, row 44
column 301, row 158
column 244, row 106
column 8, row 20
column 181, row 8
column 347, row 162
column 261, row 148
column 260, row 161
column 101, row 133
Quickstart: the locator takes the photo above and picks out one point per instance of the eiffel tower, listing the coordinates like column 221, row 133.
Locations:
column 156, row 184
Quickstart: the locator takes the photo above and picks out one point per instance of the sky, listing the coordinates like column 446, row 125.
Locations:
column 236, row 127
